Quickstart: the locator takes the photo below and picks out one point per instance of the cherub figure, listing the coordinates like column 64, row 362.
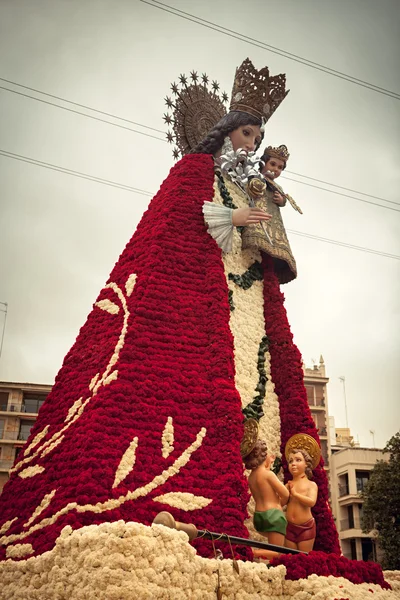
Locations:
column 301, row 530
column 269, row 495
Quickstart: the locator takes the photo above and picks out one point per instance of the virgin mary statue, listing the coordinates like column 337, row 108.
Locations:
column 186, row 342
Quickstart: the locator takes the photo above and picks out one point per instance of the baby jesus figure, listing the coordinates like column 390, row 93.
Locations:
column 270, row 236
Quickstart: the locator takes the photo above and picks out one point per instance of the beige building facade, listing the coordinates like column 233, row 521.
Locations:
column 315, row 381
column 19, row 407
column 350, row 471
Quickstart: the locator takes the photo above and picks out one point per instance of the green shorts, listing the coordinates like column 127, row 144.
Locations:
column 270, row 520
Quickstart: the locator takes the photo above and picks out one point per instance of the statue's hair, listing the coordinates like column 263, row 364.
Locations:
column 257, row 456
column 265, row 157
column 215, row 138
column 307, row 458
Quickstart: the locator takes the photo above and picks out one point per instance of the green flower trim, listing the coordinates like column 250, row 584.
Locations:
column 230, row 299
column 226, row 197
column 253, row 273
column 254, row 410
column 223, row 190
column 277, row 466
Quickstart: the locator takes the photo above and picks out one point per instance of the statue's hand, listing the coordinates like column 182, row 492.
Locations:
column 292, row 491
column 249, row 216
column 279, row 199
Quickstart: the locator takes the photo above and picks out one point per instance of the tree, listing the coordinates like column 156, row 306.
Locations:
column 381, row 509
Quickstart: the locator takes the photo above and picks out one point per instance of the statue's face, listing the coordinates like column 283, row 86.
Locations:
column 297, row 464
column 247, row 137
column 273, row 168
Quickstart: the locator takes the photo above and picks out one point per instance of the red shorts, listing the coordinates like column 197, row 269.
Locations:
column 301, row 533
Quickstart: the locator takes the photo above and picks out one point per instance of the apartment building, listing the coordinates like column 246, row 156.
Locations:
column 350, row 471
column 315, row 381
column 19, row 407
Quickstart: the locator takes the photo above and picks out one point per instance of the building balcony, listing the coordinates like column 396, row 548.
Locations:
column 20, row 409
column 354, row 533
column 322, row 432
column 350, row 524
column 13, row 436
column 346, row 497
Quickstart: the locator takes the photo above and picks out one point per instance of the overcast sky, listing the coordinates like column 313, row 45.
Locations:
column 61, row 235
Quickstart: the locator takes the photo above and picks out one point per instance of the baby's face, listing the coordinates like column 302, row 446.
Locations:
column 273, row 168
column 297, row 464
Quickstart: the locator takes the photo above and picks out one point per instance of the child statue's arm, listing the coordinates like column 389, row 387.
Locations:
column 279, row 199
column 308, row 500
column 278, row 487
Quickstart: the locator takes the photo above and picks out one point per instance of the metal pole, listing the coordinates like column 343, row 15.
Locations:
column 4, row 325
column 165, row 518
column 223, row 537
column 372, row 432
column 342, row 379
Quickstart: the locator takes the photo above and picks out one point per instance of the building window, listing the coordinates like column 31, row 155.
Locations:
column 319, row 396
column 350, row 516
column 343, row 485
column 362, row 478
column 324, row 451
column 4, row 400
column 310, row 389
column 2, row 422
column 368, row 549
column 360, row 512
column 353, row 549
column 320, row 422
column 32, row 402
column 24, row 430
column 349, row 522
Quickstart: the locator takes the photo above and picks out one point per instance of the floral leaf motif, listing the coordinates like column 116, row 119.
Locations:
column 37, row 439
column 53, row 445
column 183, row 500
column 74, row 408
column 112, row 377
column 42, row 506
column 6, row 526
column 19, row 550
column 31, row 471
column 167, row 438
column 127, row 463
column 93, row 382
column 108, row 306
column 130, row 284
column 112, row 503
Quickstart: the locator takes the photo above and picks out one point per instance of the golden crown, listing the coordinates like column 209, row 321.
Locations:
column 256, row 92
column 303, row 441
column 281, row 152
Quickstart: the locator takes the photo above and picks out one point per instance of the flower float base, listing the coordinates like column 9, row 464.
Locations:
column 130, row 561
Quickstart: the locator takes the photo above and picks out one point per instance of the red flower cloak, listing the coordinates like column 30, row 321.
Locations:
column 155, row 349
